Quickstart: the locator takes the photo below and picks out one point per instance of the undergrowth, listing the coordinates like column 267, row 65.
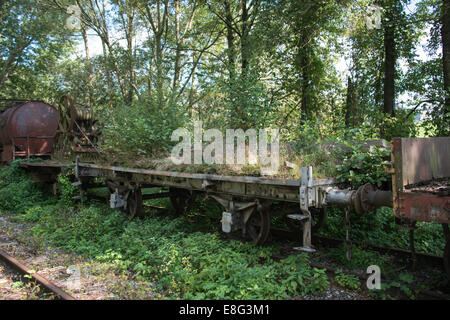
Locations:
column 178, row 258
column 169, row 252
column 379, row 228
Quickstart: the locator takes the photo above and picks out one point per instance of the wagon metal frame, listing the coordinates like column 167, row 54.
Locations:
column 247, row 201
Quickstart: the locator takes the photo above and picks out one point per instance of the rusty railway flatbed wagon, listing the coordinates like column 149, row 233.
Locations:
column 249, row 202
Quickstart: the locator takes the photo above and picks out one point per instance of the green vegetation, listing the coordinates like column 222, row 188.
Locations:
column 170, row 253
column 160, row 65
column 347, row 280
column 399, row 286
column 17, row 191
column 379, row 228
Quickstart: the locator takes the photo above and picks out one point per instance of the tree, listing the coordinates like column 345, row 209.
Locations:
column 29, row 40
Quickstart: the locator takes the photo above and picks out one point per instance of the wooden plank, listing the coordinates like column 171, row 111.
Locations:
column 212, row 177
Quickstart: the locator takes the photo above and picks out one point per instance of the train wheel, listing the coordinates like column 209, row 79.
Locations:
column 134, row 203
column 134, row 200
column 181, row 199
column 258, row 226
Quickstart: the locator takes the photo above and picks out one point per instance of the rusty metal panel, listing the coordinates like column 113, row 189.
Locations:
column 425, row 207
column 424, row 159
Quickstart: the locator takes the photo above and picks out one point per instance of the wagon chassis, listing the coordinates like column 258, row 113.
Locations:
column 249, row 202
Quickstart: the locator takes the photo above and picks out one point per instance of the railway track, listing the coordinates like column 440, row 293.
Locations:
column 422, row 293
column 25, row 271
column 421, row 258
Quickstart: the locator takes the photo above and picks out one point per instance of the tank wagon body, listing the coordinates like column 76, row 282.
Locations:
column 27, row 128
column 35, row 128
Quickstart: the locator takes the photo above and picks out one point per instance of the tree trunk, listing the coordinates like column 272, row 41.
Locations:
column 305, row 83
column 89, row 66
column 129, row 35
column 108, row 74
column 350, row 104
column 176, row 75
column 159, row 70
column 445, row 35
column 244, row 40
column 389, row 66
column 230, row 40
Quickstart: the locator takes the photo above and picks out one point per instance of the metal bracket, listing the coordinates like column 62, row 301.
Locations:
column 237, row 213
column 117, row 200
column 306, row 199
column 77, row 167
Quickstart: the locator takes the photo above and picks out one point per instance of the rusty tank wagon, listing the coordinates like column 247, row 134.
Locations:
column 38, row 129
column 27, row 128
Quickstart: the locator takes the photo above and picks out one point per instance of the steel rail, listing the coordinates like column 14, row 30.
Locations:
column 363, row 277
column 404, row 253
column 41, row 280
column 420, row 256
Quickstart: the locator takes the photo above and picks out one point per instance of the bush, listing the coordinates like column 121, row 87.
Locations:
column 141, row 128
column 17, row 191
column 362, row 166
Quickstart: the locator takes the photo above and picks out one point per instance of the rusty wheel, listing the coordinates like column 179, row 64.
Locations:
column 134, row 200
column 134, row 203
column 258, row 226
column 181, row 199
column 66, row 114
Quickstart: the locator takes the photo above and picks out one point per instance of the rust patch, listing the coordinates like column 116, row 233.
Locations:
column 423, row 207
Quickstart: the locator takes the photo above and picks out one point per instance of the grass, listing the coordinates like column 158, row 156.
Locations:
column 169, row 252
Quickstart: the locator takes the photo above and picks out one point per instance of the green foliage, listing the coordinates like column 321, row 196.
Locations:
column 186, row 264
column 347, row 280
column 363, row 166
column 141, row 129
column 400, row 285
column 361, row 258
column 67, row 190
column 17, row 191
column 402, row 125
column 17, row 285
column 32, row 39
column 379, row 228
